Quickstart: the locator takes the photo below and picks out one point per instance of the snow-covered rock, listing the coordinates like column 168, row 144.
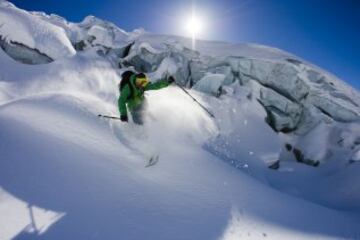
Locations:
column 283, row 114
column 211, row 83
column 292, row 80
column 94, row 32
column 32, row 34
column 335, row 108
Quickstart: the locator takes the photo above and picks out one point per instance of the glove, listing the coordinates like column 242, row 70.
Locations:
column 124, row 118
column 171, row 79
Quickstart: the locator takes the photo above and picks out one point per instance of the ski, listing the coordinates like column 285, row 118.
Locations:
column 152, row 161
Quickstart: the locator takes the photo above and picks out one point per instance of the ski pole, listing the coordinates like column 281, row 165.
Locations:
column 111, row 117
column 211, row 115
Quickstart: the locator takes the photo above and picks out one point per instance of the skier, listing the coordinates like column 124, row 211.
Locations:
column 132, row 88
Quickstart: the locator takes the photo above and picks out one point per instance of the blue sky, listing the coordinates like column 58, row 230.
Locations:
column 326, row 33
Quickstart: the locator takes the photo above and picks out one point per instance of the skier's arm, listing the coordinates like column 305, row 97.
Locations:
column 124, row 94
column 157, row 85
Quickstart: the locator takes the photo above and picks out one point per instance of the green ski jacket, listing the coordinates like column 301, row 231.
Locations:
column 131, row 96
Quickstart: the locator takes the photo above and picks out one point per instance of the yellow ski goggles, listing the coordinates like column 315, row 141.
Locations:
column 141, row 82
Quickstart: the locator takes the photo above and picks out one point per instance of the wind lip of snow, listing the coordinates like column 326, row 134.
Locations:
column 22, row 27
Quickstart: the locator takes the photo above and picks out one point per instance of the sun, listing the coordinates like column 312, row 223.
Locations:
column 194, row 25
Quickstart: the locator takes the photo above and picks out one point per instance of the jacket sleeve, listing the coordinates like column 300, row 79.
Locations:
column 157, row 85
column 124, row 94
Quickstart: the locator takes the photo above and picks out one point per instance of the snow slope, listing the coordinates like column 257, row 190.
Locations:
column 67, row 174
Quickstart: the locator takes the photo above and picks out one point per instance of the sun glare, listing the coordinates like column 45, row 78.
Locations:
column 194, row 26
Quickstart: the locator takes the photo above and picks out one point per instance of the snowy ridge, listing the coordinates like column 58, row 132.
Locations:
column 280, row 161
column 18, row 26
